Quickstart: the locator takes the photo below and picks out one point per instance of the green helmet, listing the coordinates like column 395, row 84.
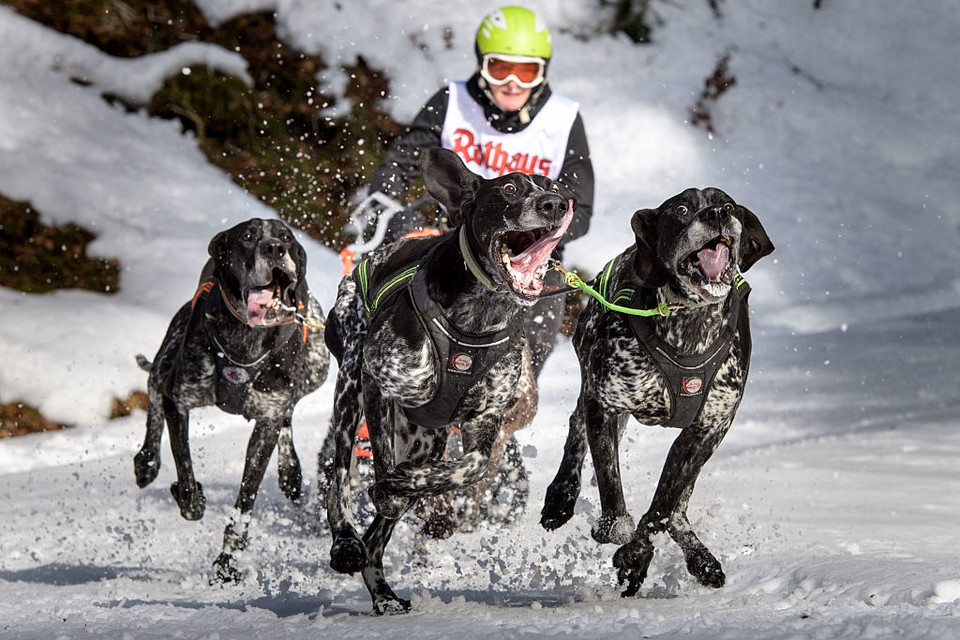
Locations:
column 513, row 31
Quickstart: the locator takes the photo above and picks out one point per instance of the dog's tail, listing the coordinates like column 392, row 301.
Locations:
column 143, row 363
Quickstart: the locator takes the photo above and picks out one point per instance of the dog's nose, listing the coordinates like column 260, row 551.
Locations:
column 551, row 206
column 717, row 215
column 273, row 249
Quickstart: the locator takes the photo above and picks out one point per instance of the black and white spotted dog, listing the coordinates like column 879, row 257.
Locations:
column 249, row 343
column 428, row 333
column 685, row 370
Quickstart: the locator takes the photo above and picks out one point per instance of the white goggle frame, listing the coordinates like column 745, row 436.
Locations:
column 513, row 78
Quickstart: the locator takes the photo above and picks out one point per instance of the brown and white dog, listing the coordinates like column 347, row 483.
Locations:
column 686, row 370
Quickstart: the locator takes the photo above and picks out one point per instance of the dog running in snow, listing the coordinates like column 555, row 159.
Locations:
column 248, row 344
column 686, row 369
column 428, row 334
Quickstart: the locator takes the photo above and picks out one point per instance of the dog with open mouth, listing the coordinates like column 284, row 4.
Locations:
column 684, row 365
column 250, row 343
column 428, row 334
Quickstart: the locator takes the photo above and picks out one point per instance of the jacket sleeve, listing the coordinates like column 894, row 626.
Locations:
column 401, row 164
column 577, row 175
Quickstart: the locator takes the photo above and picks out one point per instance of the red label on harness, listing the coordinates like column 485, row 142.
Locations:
column 691, row 386
column 461, row 363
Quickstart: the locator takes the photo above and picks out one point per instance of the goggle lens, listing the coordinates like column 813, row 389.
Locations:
column 499, row 71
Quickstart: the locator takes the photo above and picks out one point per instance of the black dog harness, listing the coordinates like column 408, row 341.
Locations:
column 462, row 359
column 234, row 378
column 688, row 377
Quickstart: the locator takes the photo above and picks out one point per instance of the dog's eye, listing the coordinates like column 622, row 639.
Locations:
column 248, row 237
column 510, row 189
column 681, row 210
column 728, row 207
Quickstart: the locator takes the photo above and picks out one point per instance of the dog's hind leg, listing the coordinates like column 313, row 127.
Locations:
column 288, row 463
column 262, row 442
column 385, row 601
column 186, row 490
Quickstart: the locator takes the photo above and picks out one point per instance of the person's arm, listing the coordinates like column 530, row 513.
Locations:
column 401, row 164
column 577, row 175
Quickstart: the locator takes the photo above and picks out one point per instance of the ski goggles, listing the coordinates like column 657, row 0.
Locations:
column 526, row 71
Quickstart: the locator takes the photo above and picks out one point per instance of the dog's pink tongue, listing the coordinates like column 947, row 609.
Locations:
column 524, row 266
column 714, row 261
column 259, row 301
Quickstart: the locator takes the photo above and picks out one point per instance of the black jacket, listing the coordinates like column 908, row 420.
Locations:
column 401, row 166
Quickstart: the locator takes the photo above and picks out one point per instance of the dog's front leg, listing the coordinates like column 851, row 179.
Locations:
column 347, row 553
column 385, row 601
column 382, row 427
column 562, row 494
column 186, row 490
column 262, row 442
column 288, row 463
column 146, row 464
column 668, row 512
column 603, row 434
column 418, row 479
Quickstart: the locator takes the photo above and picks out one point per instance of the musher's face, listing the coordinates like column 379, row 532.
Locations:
column 510, row 96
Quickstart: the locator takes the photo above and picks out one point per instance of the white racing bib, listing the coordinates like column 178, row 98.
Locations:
column 537, row 149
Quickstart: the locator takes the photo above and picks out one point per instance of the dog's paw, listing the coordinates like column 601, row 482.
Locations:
column 192, row 503
column 613, row 529
column 146, row 466
column 391, row 606
column 291, row 482
column 632, row 561
column 703, row 566
column 348, row 555
column 225, row 570
column 559, row 503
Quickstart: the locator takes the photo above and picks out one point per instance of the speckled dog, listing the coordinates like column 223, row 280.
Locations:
column 428, row 334
column 246, row 343
column 686, row 370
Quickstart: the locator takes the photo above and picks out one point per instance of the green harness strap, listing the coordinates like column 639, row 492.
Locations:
column 363, row 278
column 601, row 293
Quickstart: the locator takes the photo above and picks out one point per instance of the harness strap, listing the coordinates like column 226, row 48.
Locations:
column 690, row 376
column 234, row 376
column 462, row 359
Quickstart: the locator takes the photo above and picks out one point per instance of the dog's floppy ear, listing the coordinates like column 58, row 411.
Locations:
column 299, row 255
column 648, row 267
column 449, row 181
column 216, row 244
column 754, row 242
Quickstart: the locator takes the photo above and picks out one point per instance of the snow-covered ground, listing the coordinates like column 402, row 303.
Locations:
column 834, row 502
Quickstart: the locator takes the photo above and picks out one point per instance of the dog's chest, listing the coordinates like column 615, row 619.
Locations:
column 617, row 370
column 409, row 369
column 406, row 369
column 624, row 377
